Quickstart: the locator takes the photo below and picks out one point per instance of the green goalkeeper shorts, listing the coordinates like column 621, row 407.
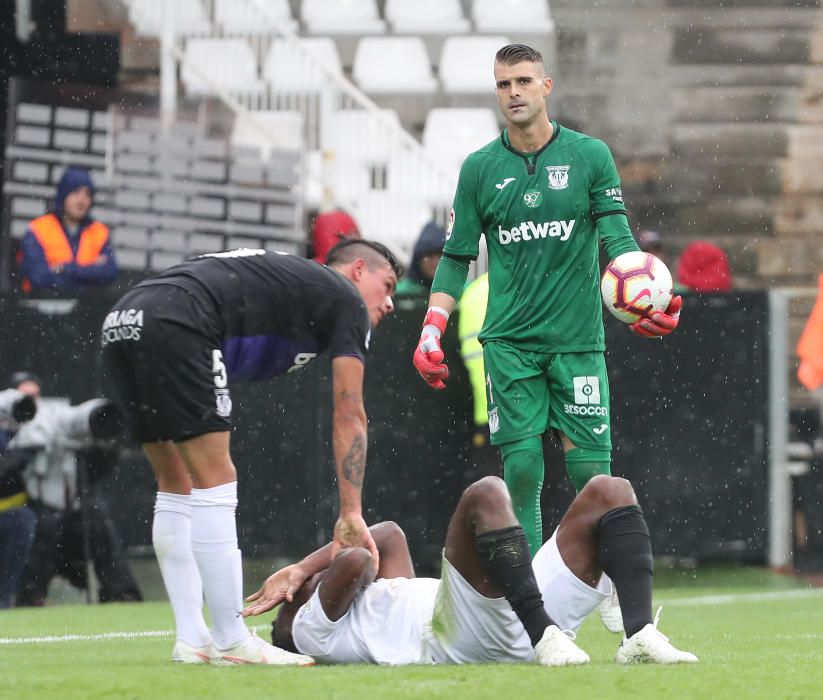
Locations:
column 529, row 392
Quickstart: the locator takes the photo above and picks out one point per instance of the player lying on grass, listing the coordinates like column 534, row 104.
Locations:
column 492, row 603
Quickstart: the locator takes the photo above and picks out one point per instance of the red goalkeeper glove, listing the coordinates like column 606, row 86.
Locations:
column 428, row 357
column 660, row 323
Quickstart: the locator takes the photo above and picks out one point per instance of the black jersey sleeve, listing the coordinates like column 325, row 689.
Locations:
column 352, row 330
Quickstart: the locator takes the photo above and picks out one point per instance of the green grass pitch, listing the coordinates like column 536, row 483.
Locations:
column 757, row 636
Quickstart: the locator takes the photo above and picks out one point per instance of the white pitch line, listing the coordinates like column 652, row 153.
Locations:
column 101, row 637
column 744, row 597
column 679, row 602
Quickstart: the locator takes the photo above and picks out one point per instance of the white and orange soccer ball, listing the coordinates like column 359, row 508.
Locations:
column 634, row 285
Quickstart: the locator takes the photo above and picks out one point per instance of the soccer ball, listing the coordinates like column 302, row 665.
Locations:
column 634, row 285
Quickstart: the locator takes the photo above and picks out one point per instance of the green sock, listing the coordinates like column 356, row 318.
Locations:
column 523, row 474
column 580, row 472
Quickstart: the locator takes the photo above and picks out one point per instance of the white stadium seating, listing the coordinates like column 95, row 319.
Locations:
column 393, row 65
column 188, row 16
column 512, row 16
column 467, row 63
column 341, row 17
column 426, row 17
column 360, row 135
column 267, row 130
column 450, row 134
column 228, row 64
column 246, row 18
column 287, row 70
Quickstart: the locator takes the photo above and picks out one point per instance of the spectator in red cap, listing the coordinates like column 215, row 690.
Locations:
column 703, row 267
column 329, row 229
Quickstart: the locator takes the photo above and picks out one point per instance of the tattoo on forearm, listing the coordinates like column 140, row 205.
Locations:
column 354, row 463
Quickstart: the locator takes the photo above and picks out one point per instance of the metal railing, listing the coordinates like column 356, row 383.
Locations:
column 382, row 162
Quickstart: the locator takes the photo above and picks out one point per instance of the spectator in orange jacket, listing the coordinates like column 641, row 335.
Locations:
column 67, row 248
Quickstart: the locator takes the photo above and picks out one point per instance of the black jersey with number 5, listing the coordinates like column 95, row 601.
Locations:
column 276, row 312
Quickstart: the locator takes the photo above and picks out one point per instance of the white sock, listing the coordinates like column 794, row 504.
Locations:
column 171, row 536
column 214, row 542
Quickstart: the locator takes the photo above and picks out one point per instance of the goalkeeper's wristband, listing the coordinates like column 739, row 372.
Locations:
column 435, row 321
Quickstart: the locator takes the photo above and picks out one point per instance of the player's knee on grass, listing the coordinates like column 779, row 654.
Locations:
column 582, row 464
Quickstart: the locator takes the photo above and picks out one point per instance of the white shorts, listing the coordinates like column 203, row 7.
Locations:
column 384, row 624
column 467, row 627
column 567, row 600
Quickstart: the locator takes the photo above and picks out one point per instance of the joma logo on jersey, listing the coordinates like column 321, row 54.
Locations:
column 530, row 231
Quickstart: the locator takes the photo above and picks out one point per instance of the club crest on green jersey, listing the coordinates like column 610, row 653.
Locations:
column 558, row 176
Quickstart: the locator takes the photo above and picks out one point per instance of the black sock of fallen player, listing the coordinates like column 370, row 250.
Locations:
column 626, row 556
column 506, row 559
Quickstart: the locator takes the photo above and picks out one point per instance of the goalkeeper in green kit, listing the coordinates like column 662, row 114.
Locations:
column 544, row 196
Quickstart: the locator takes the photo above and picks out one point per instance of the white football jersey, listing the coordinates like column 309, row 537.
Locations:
column 384, row 625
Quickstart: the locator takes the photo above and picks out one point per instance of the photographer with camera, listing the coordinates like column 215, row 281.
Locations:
column 74, row 525
column 17, row 520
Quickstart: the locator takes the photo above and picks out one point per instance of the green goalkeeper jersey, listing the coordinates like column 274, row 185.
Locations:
column 539, row 212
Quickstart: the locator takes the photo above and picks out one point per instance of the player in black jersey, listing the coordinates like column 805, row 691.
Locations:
column 173, row 344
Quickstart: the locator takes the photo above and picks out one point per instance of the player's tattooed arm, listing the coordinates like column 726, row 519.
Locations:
column 354, row 463
column 350, row 427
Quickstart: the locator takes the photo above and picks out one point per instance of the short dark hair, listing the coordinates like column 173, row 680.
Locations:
column 374, row 253
column 517, row 53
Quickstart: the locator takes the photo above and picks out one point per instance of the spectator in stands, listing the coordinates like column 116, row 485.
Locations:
column 703, row 267
column 329, row 229
column 56, row 444
column 17, row 521
column 426, row 255
column 66, row 248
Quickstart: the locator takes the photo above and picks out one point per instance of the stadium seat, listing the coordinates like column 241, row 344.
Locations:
column 410, row 175
column 426, row 17
column 227, row 64
column 348, row 179
column 392, row 219
column 512, row 16
column 467, row 63
column 450, row 134
column 341, row 17
column 288, row 70
column 190, row 19
column 246, row 18
column 356, row 134
column 264, row 130
column 393, row 65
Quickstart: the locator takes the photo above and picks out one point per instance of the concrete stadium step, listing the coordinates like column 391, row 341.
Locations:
column 753, row 140
column 769, row 15
column 789, row 259
column 691, row 177
column 722, row 140
column 724, row 214
column 747, row 4
column 737, row 104
column 799, row 215
column 709, row 75
column 706, row 44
